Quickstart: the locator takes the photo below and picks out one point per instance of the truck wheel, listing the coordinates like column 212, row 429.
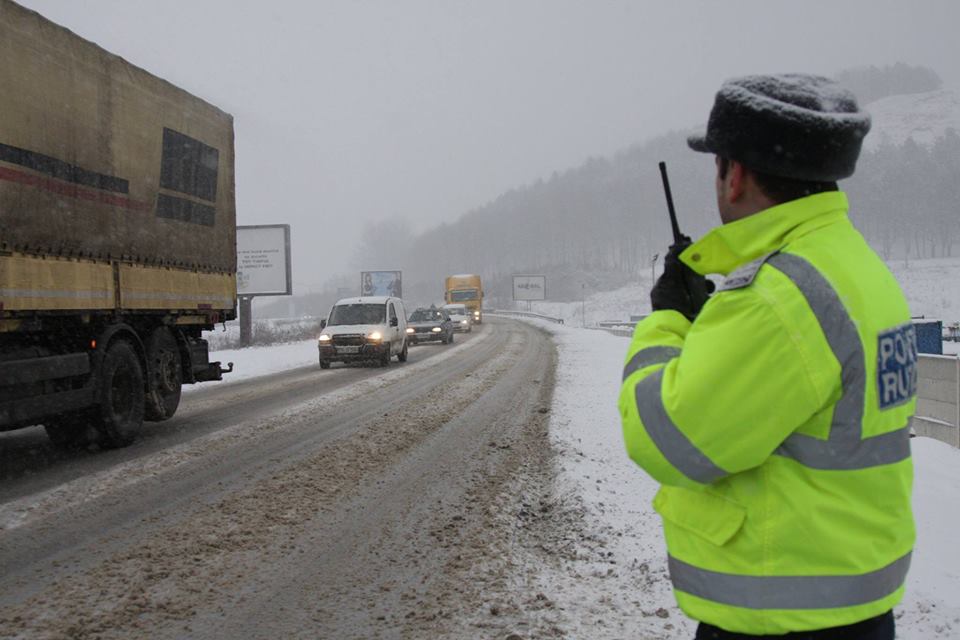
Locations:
column 165, row 373
column 120, row 396
column 324, row 364
column 402, row 356
column 68, row 433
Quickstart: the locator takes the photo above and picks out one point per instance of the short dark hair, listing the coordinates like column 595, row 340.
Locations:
column 781, row 189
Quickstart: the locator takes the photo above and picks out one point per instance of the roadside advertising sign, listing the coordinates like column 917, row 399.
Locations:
column 381, row 283
column 527, row 287
column 263, row 260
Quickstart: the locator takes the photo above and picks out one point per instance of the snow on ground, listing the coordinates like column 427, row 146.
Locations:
column 260, row 361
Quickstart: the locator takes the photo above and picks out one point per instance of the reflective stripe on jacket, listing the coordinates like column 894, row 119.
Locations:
column 778, row 425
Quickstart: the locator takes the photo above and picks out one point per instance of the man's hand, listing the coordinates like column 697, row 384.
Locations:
column 679, row 287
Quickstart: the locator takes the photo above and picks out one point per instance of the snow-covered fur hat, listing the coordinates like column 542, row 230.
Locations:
column 791, row 125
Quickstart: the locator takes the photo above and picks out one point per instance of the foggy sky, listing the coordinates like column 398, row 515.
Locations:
column 352, row 111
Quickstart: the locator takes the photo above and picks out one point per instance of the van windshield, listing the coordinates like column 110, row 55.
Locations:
column 357, row 314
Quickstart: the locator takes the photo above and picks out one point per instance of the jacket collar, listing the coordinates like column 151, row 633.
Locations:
column 729, row 246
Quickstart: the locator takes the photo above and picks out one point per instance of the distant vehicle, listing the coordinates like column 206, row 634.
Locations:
column 117, row 236
column 364, row 329
column 467, row 290
column 426, row 325
column 460, row 315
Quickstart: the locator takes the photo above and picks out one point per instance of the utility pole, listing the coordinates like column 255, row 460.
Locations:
column 583, row 305
column 246, row 320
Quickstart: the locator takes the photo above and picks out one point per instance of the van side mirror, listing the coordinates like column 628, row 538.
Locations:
column 323, row 324
column 394, row 321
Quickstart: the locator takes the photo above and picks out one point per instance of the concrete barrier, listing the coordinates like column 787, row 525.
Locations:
column 938, row 399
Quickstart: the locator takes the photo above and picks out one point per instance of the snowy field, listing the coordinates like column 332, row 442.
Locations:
column 616, row 497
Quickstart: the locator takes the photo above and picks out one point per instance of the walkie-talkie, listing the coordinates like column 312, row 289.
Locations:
column 697, row 287
column 678, row 238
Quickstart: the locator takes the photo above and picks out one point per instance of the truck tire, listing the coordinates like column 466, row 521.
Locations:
column 402, row 356
column 120, row 396
column 165, row 375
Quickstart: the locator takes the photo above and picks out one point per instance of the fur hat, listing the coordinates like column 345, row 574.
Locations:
column 791, row 125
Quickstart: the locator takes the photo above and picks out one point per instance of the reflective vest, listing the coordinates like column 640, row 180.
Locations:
column 777, row 424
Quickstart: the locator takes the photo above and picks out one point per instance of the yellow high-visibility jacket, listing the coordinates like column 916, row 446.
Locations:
column 777, row 424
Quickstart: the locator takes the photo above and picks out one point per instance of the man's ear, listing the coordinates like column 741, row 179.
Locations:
column 736, row 181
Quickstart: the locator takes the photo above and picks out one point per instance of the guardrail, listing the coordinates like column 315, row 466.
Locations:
column 523, row 314
column 938, row 398
column 621, row 331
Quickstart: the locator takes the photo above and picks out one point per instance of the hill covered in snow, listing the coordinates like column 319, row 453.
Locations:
column 921, row 117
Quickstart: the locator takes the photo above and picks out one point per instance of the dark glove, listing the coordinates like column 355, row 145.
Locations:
column 679, row 287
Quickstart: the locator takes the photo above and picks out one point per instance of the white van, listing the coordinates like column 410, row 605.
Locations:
column 369, row 328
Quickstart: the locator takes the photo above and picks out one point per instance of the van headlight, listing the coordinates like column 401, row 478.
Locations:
column 375, row 337
column 409, row 330
column 324, row 337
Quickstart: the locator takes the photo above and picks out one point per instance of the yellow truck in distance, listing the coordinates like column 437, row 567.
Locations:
column 117, row 236
column 466, row 289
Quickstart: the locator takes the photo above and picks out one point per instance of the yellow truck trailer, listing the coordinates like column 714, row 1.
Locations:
column 466, row 289
column 117, row 235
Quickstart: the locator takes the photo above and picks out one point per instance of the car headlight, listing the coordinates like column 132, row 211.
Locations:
column 375, row 337
column 464, row 322
column 437, row 329
column 324, row 337
column 410, row 330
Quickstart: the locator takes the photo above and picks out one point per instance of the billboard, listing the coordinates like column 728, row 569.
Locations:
column 380, row 283
column 529, row 287
column 263, row 260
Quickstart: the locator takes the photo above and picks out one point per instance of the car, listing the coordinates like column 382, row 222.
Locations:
column 371, row 329
column 460, row 315
column 430, row 324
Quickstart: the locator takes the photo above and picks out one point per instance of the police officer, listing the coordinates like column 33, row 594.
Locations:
column 775, row 413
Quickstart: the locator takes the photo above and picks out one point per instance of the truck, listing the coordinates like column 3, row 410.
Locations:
column 117, row 236
column 465, row 289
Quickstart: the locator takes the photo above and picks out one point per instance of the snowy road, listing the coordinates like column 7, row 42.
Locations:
column 311, row 504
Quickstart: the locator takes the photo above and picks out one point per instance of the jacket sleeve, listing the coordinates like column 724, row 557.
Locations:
column 705, row 400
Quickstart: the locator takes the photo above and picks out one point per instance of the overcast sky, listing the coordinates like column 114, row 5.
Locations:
column 351, row 111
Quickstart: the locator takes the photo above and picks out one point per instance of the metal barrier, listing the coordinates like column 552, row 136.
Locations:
column 938, row 399
column 523, row 314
